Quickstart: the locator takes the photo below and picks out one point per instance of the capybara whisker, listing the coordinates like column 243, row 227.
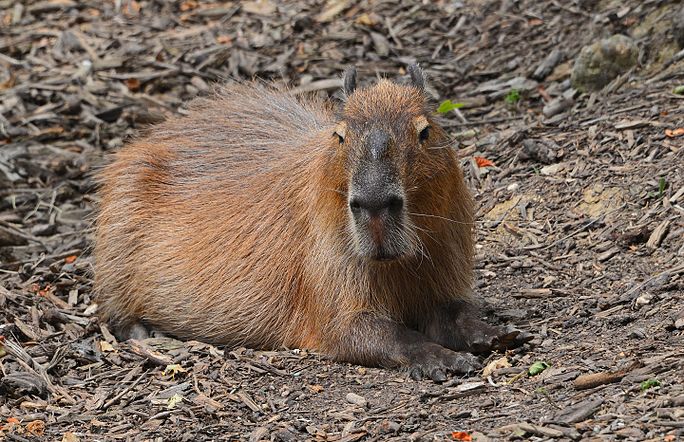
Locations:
column 440, row 217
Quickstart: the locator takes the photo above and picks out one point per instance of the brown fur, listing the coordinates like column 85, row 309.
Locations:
column 231, row 225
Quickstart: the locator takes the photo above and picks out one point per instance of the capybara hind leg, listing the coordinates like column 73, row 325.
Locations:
column 377, row 341
column 132, row 330
column 457, row 327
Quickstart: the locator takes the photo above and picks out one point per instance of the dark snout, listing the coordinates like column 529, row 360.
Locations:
column 375, row 189
column 378, row 215
column 377, row 205
column 374, row 204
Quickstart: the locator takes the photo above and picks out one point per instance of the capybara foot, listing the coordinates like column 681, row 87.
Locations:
column 434, row 362
column 134, row 330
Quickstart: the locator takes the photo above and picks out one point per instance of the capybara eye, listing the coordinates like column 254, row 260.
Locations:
column 424, row 134
column 340, row 138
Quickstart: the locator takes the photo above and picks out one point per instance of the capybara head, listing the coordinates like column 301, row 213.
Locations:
column 391, row 147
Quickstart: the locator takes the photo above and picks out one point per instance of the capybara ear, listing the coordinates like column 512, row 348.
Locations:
column 417, row 76
column 349, row 81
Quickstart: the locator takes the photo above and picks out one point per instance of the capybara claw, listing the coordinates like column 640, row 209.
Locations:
column 435, row 362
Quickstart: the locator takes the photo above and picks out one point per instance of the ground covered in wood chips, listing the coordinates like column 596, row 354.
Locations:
column 580, row 229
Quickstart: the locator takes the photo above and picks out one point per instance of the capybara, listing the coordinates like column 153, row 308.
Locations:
column 266, row 220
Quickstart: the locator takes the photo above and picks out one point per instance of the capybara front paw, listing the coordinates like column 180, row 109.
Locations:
column 436, row 362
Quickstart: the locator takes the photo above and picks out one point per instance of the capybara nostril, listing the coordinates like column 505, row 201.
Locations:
column 375, row 205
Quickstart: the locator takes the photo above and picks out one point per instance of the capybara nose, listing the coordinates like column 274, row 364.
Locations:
column 375, row 205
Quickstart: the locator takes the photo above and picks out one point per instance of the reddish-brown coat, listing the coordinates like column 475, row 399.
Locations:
column 231, row 225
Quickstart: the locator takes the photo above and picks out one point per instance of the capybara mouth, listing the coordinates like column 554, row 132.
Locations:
column 388, row 248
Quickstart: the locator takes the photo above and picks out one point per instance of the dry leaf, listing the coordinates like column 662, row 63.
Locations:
column 366, row 19
column 316, row 388
column 132, row 7
column 261, row 7
column 173, row 401
column 106, row 346
column 37, row 427
column 70, row 437
column 461, row 435
column 483, row 162
column 188, row 5
column 496, row 364
column 674, row 133
column 173, row 370
column 331, row 9
column 224, row 39
column 12, row 425
column 133, row 84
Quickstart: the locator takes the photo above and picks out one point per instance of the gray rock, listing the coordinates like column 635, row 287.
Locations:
column 355, row 399
column 599, row 63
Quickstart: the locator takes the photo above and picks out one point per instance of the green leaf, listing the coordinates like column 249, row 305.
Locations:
column 173, row 370
column 513, row 96
column 173, row 401
column 537, row 368
column 650, row 383
column 679, row 90
column 661, row 186
column 447, row 106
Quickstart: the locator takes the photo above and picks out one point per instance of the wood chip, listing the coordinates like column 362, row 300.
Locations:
column 658, row 235
column 146, row 352
column 632, row 124
column 578, row 412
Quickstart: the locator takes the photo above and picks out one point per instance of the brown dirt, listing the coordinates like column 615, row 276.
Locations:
column 580, row 232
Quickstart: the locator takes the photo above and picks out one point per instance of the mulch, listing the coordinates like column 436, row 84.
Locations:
column 580, row 218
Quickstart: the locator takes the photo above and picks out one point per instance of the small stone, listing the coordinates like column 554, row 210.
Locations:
column 114, row 143
column 355, row 399
column 599, row 63
column 644, row 299
column 679, row 323
column 513, row 187
column 637, row 333
column 552, row 169
column 480, row 437
column 630, row 433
